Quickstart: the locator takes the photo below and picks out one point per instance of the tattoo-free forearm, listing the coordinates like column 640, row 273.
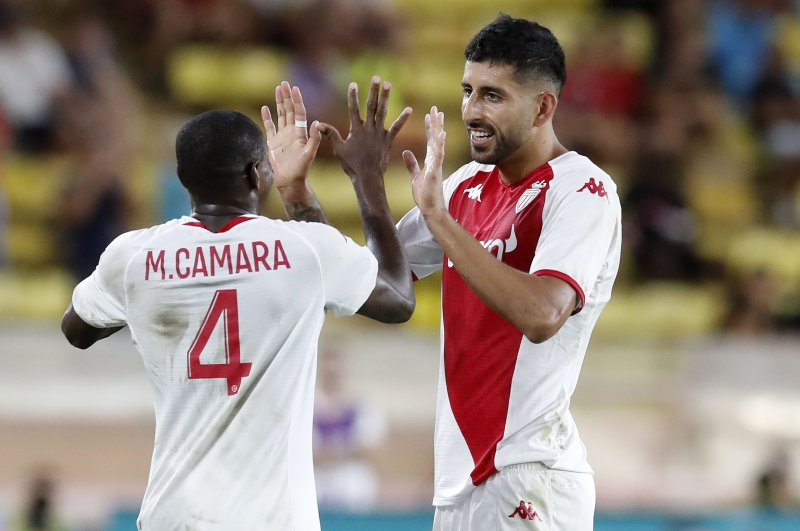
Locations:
column 393, row 297
column 536, row 306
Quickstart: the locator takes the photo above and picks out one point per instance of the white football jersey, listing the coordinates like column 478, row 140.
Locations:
column 227, row 324
column 503, row 400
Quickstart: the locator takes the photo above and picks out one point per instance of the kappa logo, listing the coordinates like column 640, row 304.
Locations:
column 525, row 511
column 474, row 193
column 594, row 188
column 529, row 195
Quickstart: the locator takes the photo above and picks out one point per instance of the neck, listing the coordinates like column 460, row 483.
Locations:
column 534, row 153
column 215, row 216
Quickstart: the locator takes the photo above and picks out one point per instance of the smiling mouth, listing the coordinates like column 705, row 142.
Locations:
column 480, row 137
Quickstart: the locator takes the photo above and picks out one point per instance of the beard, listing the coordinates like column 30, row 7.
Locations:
column 502, row 147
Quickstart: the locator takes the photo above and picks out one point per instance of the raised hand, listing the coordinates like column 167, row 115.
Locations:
column 291, row 148
column 426, row 183
column 365, row 152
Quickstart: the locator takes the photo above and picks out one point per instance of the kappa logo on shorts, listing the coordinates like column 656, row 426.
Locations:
column 525, row 511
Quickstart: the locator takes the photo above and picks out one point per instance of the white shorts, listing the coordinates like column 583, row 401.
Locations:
column 521, row 497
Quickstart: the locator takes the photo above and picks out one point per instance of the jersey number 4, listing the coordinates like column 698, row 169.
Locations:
column 225, row 304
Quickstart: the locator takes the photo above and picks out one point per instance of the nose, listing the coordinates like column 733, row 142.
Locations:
column 470, row 108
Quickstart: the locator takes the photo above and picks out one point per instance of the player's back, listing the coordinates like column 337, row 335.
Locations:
column 227, row 324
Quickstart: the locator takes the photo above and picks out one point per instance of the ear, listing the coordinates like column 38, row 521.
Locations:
column 546, row 108
column 253, row 176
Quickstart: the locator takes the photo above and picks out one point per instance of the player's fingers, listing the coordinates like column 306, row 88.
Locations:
column 299, row 108
column 411, row 163
column 288, row 104
column 399, row 123
column 279, row 108
column 383, row 104
column 428, row 127
column 372, row 100
column 314, row 139
column 331, row 133
column 352, row 104
column 438, row 150
column 269, row 127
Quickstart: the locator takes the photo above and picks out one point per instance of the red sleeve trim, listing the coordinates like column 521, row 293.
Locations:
column 569, row 280
column 414, row 277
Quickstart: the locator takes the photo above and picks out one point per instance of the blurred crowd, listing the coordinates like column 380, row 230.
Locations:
column 697, row 117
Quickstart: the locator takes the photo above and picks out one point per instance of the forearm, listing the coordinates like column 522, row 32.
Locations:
column 80, row 334
column 536, row 306
column 393, row 298
column 301, row 203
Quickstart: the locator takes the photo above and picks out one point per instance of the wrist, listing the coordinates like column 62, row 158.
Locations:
column 293, row 188
column 436, row 216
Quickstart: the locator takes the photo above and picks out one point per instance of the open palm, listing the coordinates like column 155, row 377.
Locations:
column 291, row 148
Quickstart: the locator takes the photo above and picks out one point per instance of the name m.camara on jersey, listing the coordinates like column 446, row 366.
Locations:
column 226, row 306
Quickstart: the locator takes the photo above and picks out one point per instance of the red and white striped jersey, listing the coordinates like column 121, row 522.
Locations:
column 503, row 400
column 227, row 324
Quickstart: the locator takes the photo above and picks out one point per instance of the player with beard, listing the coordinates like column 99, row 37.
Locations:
column 528, row 237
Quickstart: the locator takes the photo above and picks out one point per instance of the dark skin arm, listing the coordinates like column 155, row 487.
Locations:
column 80, row 334
column 364, row 156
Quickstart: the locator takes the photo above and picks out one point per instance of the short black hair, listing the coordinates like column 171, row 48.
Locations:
column 216, row 147
column 530, row 48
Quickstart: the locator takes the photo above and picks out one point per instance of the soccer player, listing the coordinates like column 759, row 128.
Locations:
column 226, row 307
column 528, row 237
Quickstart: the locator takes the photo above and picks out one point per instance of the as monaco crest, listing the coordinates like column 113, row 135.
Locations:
column 529, row 195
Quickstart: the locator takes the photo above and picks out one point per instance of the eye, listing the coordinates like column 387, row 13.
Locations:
column 492, row 97
column 467, row 90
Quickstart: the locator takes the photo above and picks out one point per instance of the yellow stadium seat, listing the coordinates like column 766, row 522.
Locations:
column 41, row 295
column 789, row 40
column 662, row 311
column 731, row 203
column 33, row 185
column 31, row 245
column 774, row 250
column 212, row 75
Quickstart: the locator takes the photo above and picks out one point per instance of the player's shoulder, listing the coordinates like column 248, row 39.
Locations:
column 466, row 172
column 572, row 170
column 311, row 228
column 135, row 239
column 469, row 170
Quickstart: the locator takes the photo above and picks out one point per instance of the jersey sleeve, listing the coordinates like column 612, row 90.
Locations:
column 349, row 271
column 99, row 300
column 577, row 232
column 423, row 252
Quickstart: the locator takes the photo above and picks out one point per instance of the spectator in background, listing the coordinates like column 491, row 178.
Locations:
column 96, row 128
column 773, row 491
column 751, row 310
column 34, row 75
column 345, row 429
column 94, row 206
column 39, row 512
column 776, row 118
column 660, row 229
column 314, row 59
column 741, row 34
